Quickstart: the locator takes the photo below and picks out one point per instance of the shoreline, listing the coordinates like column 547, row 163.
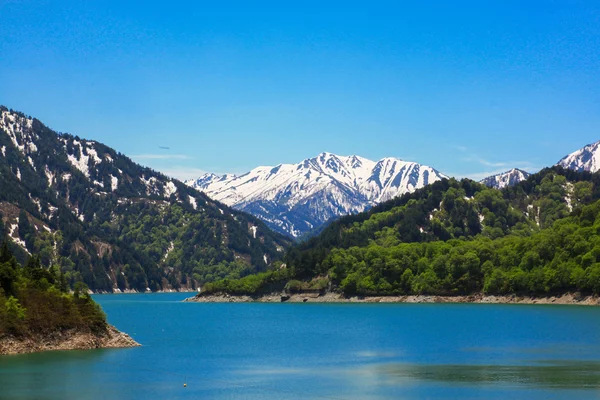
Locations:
column 565, row 299
column 133, row 291
column 69, row 340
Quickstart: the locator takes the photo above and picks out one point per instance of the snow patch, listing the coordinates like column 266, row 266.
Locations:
column 82, row 163
column 31, row 163
column 49, row 176
column 114, row 183
column 38, row 204
column 193, row 202
column 15, row 237
column 170, row 189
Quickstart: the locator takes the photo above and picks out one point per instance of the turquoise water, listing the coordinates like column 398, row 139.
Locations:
column 323, row 351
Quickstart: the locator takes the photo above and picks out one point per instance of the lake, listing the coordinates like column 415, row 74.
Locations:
column 323, row 351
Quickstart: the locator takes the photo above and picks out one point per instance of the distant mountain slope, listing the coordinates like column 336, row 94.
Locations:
column 539, row 237
column 585, row 159
column 298, row 198
column 505, row 179
column 452, row 209
column 115, row 224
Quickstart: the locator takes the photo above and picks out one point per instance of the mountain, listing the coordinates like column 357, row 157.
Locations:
column 505, row 179
column 114, row 224
column 295, row 199
column 453, row 237
column 585, row 159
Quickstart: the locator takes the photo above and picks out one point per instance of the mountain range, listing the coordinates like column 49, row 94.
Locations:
column 296, row 199
column 114, row 224
column 117, row 226
column 300, row 199
column 585, row 159
column 458, row 238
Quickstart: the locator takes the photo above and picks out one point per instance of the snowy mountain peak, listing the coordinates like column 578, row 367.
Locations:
column 585, row 159
column 297, row 198
column 505, row 179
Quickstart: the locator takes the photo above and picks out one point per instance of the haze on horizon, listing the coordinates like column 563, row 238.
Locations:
column 187, row 87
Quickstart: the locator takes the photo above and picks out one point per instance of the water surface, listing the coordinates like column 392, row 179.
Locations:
column 329, row 351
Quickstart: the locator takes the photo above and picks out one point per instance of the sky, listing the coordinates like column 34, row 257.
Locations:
column 470, row 88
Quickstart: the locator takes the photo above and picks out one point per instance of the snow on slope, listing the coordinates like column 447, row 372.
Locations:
column 585, row 159
column 505, row 179
column 296, row 198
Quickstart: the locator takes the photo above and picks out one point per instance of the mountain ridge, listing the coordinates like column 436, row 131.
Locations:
column 298, row 198
column 586, row 158
column 505, row 179
column 114, row 224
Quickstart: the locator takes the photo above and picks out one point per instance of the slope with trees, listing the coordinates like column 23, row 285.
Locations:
column 539, row 237
column 37, row 310
column 113, row 224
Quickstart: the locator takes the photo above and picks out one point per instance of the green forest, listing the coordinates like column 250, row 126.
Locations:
column 540, row 237
column 93, row 216
column 113, row 224
column 37, row 301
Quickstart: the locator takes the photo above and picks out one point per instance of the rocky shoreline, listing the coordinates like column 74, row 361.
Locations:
column 68, row 340
column 568, row 298
column 133, row 291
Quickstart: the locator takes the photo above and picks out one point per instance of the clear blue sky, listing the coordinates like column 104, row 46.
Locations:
column 469, row 88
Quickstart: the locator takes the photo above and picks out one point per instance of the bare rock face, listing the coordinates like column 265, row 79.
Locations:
column 117, row 339
column 67, row 340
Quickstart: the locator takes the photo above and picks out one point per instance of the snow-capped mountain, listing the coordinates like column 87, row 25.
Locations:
column 585, row 159
column 112, row 223
column 298, row 198
column 505, row 179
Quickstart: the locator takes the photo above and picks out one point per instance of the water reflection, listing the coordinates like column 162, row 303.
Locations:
column 547, row 374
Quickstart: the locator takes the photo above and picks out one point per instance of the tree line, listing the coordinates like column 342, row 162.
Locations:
column 539, row 237
column 35, row 300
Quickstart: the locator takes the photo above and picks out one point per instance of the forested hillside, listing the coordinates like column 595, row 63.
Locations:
column 35, row 301
column 459, row 237
column 452, row 209
column 113, row 224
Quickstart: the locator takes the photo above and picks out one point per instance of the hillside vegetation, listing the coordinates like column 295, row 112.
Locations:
column 114, row 225
column 539, row 237
column 35, row 301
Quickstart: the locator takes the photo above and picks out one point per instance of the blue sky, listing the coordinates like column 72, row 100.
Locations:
column 470, row 88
